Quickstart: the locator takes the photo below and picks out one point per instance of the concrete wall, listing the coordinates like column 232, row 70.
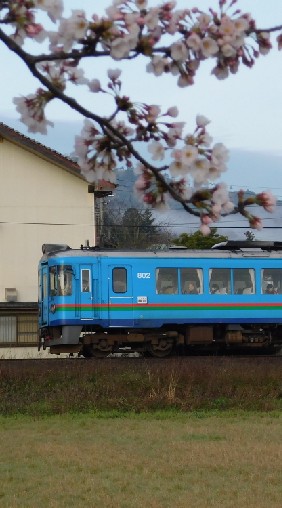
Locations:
column 39, row 203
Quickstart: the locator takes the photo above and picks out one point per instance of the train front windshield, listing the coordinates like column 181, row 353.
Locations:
column 60, row 280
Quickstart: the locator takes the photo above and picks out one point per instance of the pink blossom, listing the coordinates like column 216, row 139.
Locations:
column 31, row 109
column 205, row 219
column 279, row 41
column 153, row 112
column 194, row 42
column 179, row 52
column 189, row 154
column 114, row 74
column 220, row 195
column 157, row 65
column 255, row 222
column 94, row 85
column 152, row 18
column 205, row 230
column 141, row 4
column 54, row 8
column 172, row 111
column 209, row 47
column 157, row 150
column 120, row 48
column 177, row 168
column 202, row 121
column 267, row 200
column 141, row 184
column 185, row 80
column 220, row 72
column 33, row 29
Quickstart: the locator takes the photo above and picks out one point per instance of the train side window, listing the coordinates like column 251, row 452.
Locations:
column 271, row 281
column 220, row 281
column 119, row 280
column 166, row 281
column 243, row 281
column 85, row 281
column 191, row 281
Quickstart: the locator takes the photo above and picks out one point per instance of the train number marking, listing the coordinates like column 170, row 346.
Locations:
column 143, row 275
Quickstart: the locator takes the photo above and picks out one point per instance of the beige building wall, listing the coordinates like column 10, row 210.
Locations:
column 39, row 203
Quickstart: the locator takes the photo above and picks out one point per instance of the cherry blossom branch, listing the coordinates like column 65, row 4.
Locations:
column 128, row 30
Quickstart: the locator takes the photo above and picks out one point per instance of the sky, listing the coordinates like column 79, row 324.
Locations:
column 245, row 110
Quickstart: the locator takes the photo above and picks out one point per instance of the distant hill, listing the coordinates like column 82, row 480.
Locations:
column 255, row 170
column 252, row 170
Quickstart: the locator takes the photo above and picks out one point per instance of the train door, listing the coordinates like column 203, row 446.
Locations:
column 87, row 288
column 120, row 295
column 44, row 300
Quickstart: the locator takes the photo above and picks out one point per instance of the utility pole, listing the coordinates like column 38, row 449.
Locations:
column 100, row 190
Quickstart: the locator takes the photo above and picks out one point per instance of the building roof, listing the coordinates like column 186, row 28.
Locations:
column 39, row 150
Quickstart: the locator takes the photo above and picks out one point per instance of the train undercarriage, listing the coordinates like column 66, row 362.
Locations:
column 164, row 342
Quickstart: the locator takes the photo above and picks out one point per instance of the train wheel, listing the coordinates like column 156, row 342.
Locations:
column 87, row 351
column 102, row 349
column 162, row 349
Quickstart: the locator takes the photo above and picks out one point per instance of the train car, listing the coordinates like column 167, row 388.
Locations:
column 96, row 302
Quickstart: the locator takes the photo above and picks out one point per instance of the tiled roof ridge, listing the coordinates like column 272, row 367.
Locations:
column 36, row 146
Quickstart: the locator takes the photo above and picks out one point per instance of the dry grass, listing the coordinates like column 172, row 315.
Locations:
column 141, row 461
column 189, row 384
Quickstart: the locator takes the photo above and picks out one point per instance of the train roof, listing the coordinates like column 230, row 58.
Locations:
column 230, row 249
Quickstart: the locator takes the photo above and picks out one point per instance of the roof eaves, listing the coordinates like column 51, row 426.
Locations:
column 40, row 150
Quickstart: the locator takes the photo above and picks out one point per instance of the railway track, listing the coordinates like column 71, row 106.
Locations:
column 200, row 359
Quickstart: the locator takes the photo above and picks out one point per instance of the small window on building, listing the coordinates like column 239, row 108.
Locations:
column 166, row 281
column 85, row 281
column 119, row 280
column 8, row 329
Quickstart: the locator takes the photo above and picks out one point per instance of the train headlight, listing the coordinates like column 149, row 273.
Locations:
column 53, row 308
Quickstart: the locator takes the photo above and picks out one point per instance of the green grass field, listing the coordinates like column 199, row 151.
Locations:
column 156, row 461
column 194, row 432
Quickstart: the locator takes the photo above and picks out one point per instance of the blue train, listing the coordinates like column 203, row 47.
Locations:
column 96, row 302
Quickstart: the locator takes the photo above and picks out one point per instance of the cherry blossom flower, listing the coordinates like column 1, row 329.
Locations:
column 141, row 4
column 152, row 18
column 255, row 222
column 157, row 150
column 31, row 109
column 267, row 200
column 220, row 195
column 209, row 47
column 114, row 74
column 172, row 111
column 54, row 8
column 194, row 42
column 179, row 52
column 177, row 169
column 189, row 154
column 152, row 113
column 219, row 156
column 228, row 51
column 157, row 65
column 202, row 121
column 94, row 85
